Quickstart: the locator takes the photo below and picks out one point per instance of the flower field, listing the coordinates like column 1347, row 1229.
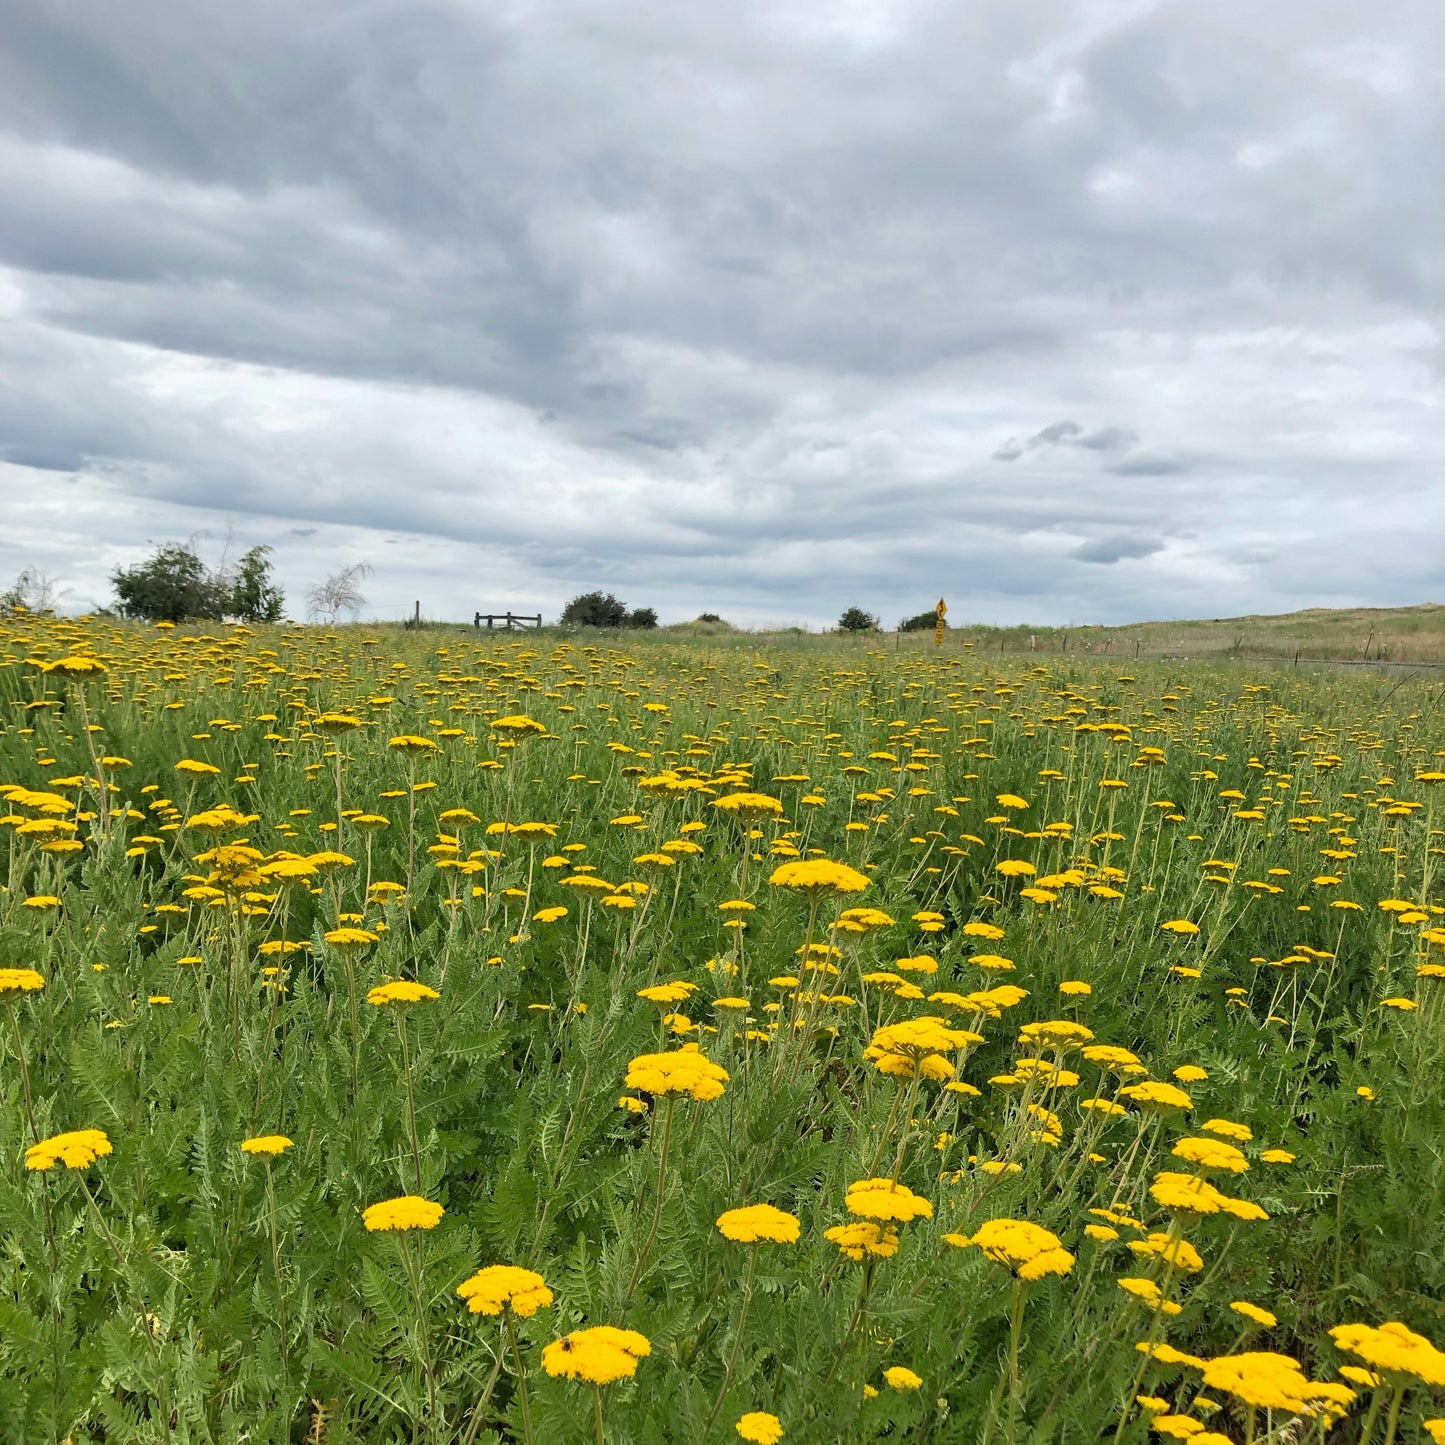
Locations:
column 439, row 1037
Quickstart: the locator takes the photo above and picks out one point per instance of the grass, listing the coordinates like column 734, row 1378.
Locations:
column 1219, row 879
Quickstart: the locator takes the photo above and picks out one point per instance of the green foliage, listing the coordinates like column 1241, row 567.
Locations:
column 602, row 609
column 922, row 622
column 855, row 619
column 175, row 585
column 172, row 585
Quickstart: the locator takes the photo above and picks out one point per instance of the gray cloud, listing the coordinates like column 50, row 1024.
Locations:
column 1117, row 546
column 731, row 306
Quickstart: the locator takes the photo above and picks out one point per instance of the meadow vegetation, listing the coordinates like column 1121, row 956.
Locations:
column 451, row 1037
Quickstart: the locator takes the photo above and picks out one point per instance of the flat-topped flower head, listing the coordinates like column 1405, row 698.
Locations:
column 267, row 1145
column 818, row 877
column 666, row 994
column 864, row 1237
column 334, row 724
column 1393, row 1349
column 1029, row 1250
column 505, row 1286
column 1261, row 1379
column 517, row 726
column 596, row 1356
column 1054, row 1034
column 759, row 1428
column 749, row 807
column 407, row 1211
column 1156, row 1096
column 759, row 1224
column 350, row 939
column 412, row 746
column 15, row 981
column 1176, row 1252
column 676, row 1073
column 76, row 669
column 1211, row 1156
column 77, row 1149
column 917, row 1046
column 883, row 1199
column 403, row 991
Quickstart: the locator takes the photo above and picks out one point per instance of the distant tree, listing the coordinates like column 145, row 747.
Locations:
column 173, row 585
column 708, row 617
column 923, row 622
column 250, row 593
column 855, row 619
column 33, row 591
column 596, row 609
column 341, row 592
column 641, row 617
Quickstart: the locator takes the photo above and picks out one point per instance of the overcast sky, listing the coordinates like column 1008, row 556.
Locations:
column 1068, row 310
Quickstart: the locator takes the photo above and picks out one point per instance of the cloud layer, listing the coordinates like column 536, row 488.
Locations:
column 1079, row 310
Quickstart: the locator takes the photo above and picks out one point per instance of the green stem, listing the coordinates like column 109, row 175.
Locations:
column 521, row 1375
column 657, row 1208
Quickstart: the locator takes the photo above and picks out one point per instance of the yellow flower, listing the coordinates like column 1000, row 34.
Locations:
column 350, row 938
column 1178, row 1427
column 413, row 746
column 408, row 1211
column 816, row 877
column 1260, row 1316
column 900, row 1377
column 750, row 806
column 597, row 1356
column 1180, row 926
column 882, row 1199
column 864, row 1237
column 1261, row 1379
column 1015, row 868
column 1209, row 1155
column 500, row 1286
column 77, row 1149
column 19, row 980
column 75, row 669
column 1028, row 1249
column 1157, row 1096
column 518, row 726
column 681, row 1071
column 760, row 1428
column 403, row 991
column 917, row 1045
column 759, row 1224
column 1178, row 1252
column 267, row 1144
column 1394, row 1349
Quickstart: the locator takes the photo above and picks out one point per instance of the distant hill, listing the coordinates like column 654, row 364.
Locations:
column 1352, row 634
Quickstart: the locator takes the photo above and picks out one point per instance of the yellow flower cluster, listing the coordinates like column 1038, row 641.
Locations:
column 597, row 1356
column 505, row 1286
column 77, row 1149
column 677, row 1072
column 1029, row 1250
column 1189, row 1194
column 1275, row 1382
column 886, row 1200
column 917, row 1046
column 818, row 877
column 759, row 1224
column 1394, row 1349
column 407, row 1211
column 403, row 991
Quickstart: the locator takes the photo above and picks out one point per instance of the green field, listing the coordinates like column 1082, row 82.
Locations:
column 1078, row 1020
